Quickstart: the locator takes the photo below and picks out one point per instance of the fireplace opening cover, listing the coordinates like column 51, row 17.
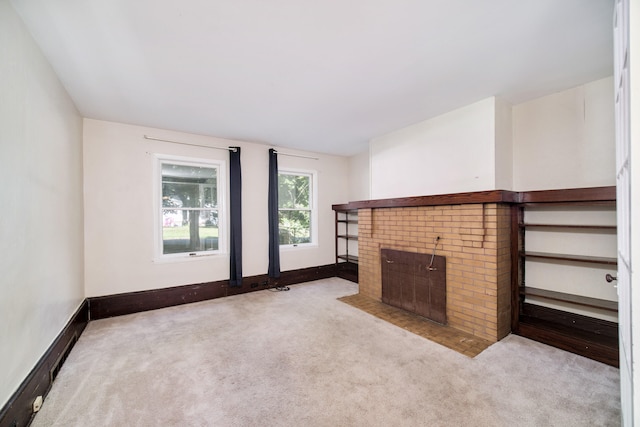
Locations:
column 416, row 283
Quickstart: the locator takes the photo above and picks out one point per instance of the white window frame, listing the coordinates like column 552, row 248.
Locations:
column 220, row 165
column 314, row 206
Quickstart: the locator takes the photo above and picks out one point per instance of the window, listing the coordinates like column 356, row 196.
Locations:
column 191, row 208
column 296, row 212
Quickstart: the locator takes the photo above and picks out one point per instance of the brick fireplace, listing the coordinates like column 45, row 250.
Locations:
column 474, row 238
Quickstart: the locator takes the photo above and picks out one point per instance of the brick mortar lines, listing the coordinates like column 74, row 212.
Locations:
column 476, row 276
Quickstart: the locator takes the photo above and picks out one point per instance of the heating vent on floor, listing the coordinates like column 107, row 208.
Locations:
column 55, row 369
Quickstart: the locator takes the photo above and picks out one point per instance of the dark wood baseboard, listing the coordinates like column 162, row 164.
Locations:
column 589, row 325
column 304, row 275
column 18, row 411
column 593, row 338
column 347, row 271
column 134, row 302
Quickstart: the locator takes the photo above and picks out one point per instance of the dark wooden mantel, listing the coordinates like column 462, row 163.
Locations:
column 591, row 194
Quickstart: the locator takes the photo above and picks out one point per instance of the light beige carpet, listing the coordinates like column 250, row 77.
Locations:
column 303, row 358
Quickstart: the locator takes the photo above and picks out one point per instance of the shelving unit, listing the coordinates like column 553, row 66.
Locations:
column 550, row 315
column 346, row 231
column 346, row 239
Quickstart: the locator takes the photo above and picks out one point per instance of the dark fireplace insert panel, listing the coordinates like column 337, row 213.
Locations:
column 416, row 283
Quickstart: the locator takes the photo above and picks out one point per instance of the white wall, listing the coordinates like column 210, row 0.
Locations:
column 119, row 209
column 503, row 146
column 565, row 140
column 358, row 165
column 450, row 153
column 634, row 112
column 41, row 248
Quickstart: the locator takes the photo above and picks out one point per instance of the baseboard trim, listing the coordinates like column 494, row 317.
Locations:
column 134, row 302
column 600, row 329
column 593, row 338
column 305, row 275
column 18, row 412
column 551, row 336
column 347, row 271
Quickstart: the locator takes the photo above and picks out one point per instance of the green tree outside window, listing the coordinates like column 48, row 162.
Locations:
column 294, row 207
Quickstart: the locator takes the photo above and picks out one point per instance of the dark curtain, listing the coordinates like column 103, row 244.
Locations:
column 274, row 234
column 235, row 208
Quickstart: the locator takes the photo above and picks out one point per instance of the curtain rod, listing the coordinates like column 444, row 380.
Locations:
column 223, row 148
column 186, row 143
column 296, row 155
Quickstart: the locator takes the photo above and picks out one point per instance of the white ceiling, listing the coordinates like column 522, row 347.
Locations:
column 324, row 75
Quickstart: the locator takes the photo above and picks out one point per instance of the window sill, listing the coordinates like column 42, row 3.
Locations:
column 288, row 248
column 187, row 258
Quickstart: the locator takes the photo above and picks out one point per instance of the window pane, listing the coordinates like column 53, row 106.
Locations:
column 294, row 191
column 189, row 186
column 186, row 230
column 295, row 227
column 180, row 195
column 193, row 173
column 210, row 196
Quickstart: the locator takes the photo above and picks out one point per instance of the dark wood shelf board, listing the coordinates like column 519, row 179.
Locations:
column 570, row 205
column 347, row 236
column 572, row 195
column 494, row 196
column 344, row 208
column 575, row 258
column 570, row 298
column 344, row 221
column 592, row 196
column 571, row 227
